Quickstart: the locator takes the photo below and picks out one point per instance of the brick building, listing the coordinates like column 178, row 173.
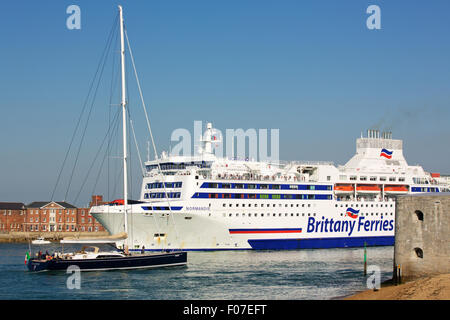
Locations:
column 12, row 216
column 57, row 216
column 48, row 216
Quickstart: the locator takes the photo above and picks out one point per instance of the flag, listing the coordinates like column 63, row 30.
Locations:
column 27, row 257
column 386, row 153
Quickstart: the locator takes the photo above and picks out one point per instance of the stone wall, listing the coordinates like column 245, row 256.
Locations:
column 422, row 235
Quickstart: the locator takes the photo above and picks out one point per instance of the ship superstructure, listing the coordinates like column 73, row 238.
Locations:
column 203, row 202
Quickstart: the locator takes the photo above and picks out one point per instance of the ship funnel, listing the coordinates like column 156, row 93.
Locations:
column 387, row 135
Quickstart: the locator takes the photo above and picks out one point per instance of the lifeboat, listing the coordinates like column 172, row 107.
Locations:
column 368, row 188
column 396, row 189
column 343, row 188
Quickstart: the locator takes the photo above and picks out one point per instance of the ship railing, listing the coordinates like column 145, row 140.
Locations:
column 253, row 177
column 302, row 163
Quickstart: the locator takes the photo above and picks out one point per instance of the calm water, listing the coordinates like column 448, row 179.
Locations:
column 228, row 275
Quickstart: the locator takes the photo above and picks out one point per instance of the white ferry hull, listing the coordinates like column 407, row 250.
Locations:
column 327, row 226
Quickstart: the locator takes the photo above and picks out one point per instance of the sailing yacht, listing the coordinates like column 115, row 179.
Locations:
column 91, row 258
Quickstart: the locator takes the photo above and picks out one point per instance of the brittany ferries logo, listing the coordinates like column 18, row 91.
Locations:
column 352, row 213
column 386, row 153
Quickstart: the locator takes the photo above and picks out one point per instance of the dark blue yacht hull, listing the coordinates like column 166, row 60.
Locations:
column 153, row 260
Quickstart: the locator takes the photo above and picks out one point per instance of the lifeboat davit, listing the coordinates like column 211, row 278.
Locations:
column 396, row 189
column 369, row 188
column 343, row 188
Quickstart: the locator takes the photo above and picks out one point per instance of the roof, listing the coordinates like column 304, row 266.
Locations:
column 11, row 205
column 40, row 204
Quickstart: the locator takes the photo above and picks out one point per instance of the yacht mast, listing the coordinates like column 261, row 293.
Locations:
column 124, row 122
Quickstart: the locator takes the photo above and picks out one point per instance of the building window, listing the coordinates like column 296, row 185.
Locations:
column 419, row 253
column 419, row 215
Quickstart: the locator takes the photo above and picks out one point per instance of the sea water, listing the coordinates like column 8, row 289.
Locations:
column 226, row 275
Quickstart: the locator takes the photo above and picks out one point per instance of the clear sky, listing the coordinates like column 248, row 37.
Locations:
column 311, row 69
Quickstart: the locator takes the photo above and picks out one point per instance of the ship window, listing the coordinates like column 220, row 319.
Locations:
column 373, row 178
column 353, row 178
column 382, row 178
column 262, row 214
column 363, row 178
column 391, row 178
column 249, row 214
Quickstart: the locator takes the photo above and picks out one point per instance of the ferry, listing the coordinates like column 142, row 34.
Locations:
column 204, row 202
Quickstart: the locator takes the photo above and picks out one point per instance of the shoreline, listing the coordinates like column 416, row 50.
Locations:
column 433, row 287
column 24, row 237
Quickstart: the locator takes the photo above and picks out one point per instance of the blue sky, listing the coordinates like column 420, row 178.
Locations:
column 309, row 68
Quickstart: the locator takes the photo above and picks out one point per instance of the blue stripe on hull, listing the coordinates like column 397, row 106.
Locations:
column 319, row 243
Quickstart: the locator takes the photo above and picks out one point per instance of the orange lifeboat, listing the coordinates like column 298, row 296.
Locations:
column 343, row 188
column 368, row 188
column 396, row 189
